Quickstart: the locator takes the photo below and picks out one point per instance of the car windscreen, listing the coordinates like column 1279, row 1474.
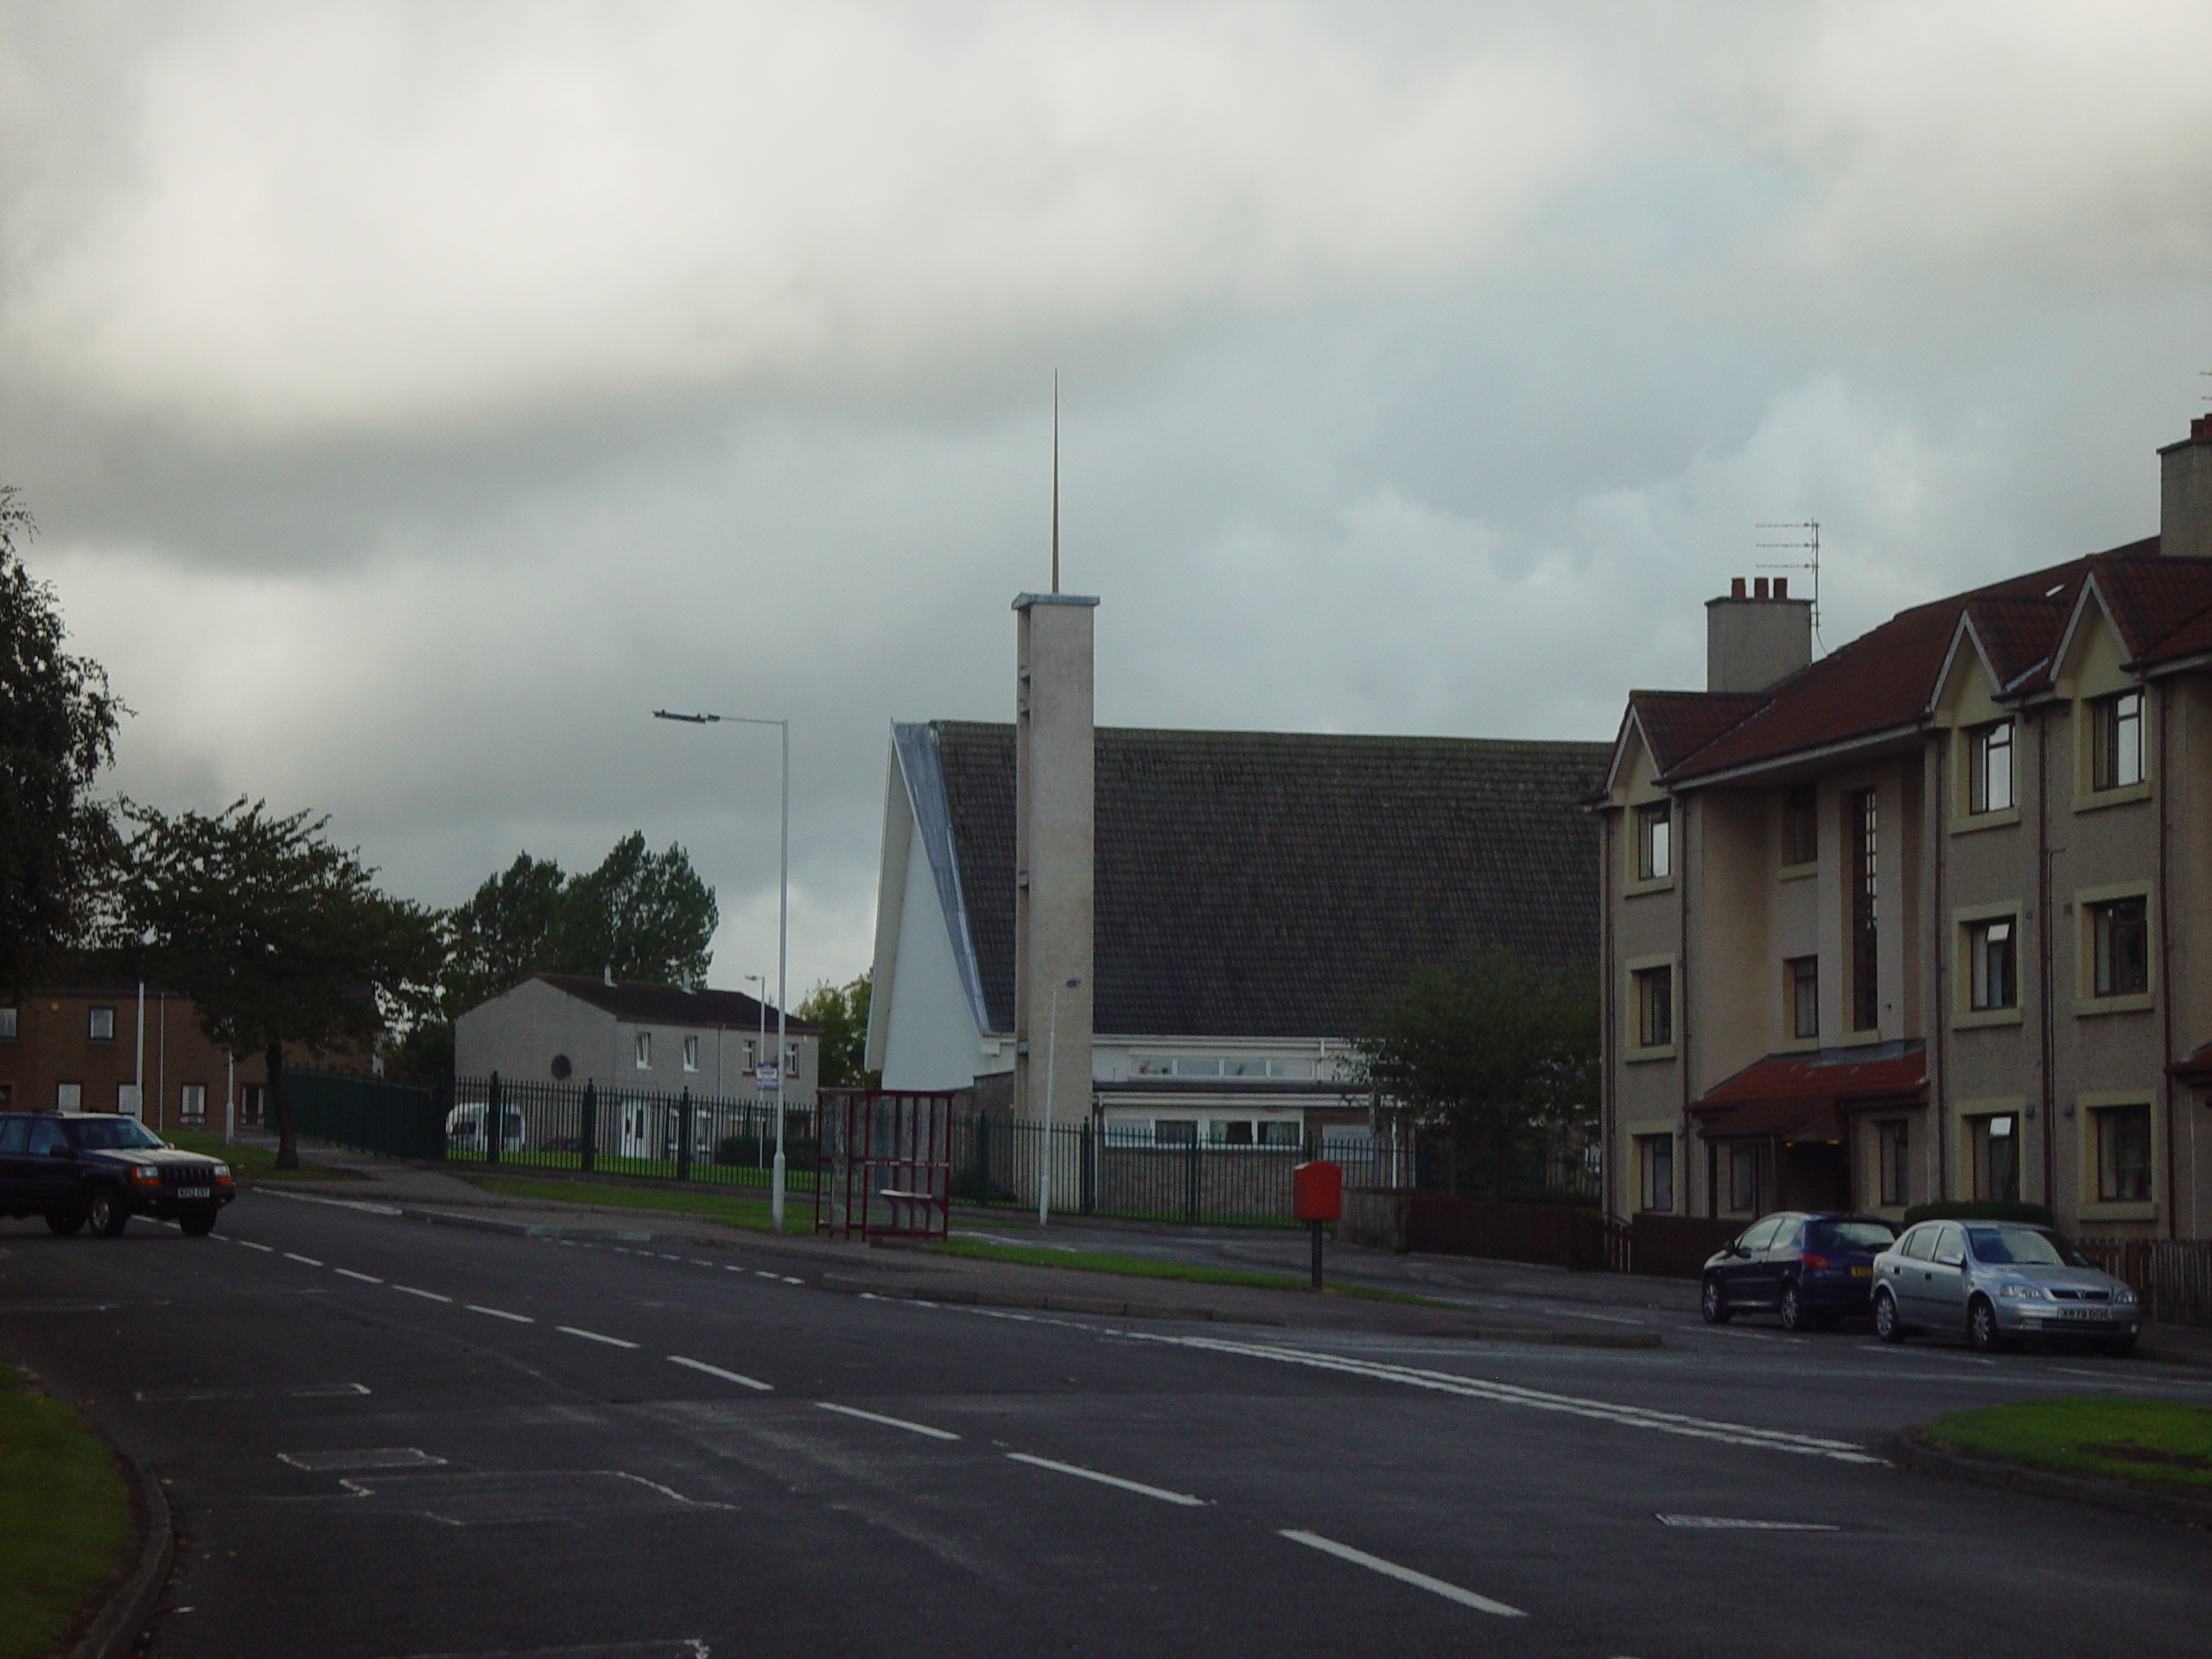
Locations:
column 112, row 1135
column 2016, row 1246
column 1868, row 1236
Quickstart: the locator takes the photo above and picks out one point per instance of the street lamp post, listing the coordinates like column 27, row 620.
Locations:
column 1051, row 1057
column 783, row 931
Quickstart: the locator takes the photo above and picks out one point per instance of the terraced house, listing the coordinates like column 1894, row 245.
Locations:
column 1930, row 916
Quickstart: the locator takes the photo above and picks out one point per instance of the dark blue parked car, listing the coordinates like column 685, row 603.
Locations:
column 1810, row 1268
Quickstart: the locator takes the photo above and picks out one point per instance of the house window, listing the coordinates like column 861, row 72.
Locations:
column 1654, row 843
column 192, row 1102
column 68, row 1096
column 1861, row 826
column 1989, row 759
column 1801, row 826
column 1990, row 979
column 1656, row 1164
column 8, row 1024
column 1744, row 1183
column 1281, row 1132
column 2123, row 1153
column 1655, row 1008
column 645, row 1051
column 690, row 1053
column 2116, row 740
column 99, row 1025
column 1801, row 976
column 1174, row 1131
column 1893, row 1149
column 790, row 1062
column 1996, row 1156
column 2119, row 945
column 253, row 1098
column 127, row 1099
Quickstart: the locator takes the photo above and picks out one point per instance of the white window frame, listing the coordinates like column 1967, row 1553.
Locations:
column 1990, row 776
column 644, row 1050
column 691, row 1051
column 93, row 1021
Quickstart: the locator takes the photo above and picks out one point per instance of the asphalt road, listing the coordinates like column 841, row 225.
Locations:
column 385, row 1438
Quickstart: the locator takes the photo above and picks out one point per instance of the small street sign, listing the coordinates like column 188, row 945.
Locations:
column 765, row 1074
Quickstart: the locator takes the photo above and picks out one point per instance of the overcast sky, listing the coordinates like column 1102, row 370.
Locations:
column 412, row 396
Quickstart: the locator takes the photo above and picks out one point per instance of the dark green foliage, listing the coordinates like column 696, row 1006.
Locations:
column 2035, row 1215
column 281, row 940
column 57, row 731
column 640, row 916
column 1497, row 1059
column 841, row 1012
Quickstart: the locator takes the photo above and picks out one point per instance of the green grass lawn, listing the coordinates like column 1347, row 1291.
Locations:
column 65, row 1519
column 2126, row 1440
column 731, row 1212
column 1145, row 1266
column 704, row 1169
column 250, row 1162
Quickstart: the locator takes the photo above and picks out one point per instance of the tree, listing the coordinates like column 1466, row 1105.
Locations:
column 638, row 916
column 504, row 934
column 1490, row 1055
column 841, row 1012
column 57, row 730
column 281, row 940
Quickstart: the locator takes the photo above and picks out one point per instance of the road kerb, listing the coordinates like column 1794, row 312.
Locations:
column 1910, row 1451
column 115, row 1628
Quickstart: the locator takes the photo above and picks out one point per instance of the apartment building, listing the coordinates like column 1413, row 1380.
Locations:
column 1930, row 916
column 121, row 1046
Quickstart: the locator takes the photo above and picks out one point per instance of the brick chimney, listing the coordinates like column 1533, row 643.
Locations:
column 2185, row 494
column 1751, row 641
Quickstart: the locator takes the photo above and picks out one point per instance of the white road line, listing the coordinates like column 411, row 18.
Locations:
column 1403, row 1574
column 500, row 1313
column 427, row 1295
column 1735, row 1523
column 696, row 1263
column 593, row 1336
column 365, row 1278
column 294, row 1255
column 1136, row 1486
column 794, row 1281
column 726, row 1376
column 265, row 1249
column 1644, row 1417
column 762, row 1272
column 888, row 1422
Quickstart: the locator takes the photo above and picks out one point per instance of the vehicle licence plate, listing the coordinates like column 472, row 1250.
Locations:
column 1867, row 1272
column 192, row 1191
column 2082, row 1313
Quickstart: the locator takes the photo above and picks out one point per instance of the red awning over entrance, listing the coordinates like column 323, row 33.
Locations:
column 1803, row 1097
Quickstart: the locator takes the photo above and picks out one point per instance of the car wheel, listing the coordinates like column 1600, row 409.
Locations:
column 1794, row 1317
column 65, row 1221
column 196, row 1222
column 1982, row 1331
column 1713, row 1303
column 106, row 1217
column 1887, row 1326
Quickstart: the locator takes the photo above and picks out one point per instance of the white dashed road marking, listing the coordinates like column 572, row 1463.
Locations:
column 888, row 1422
column 251, row 1245
column 1732, row 1523
column 427, row 1295
column 1136, row 1486
column 365, row 1278
column 294, row 1255
column 500, row 1313
column 716, row 1370
column 594, row 1336
column 1403, row 1574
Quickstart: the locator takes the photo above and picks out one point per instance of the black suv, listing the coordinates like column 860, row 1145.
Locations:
column 79, row 1168
column 1813, row 1269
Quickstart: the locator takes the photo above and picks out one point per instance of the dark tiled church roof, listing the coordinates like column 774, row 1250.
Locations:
column 1270, row 884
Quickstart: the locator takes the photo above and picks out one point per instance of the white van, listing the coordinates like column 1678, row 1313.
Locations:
column 465, row 1127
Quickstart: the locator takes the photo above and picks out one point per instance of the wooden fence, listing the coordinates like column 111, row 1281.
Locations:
column 2172, row 1275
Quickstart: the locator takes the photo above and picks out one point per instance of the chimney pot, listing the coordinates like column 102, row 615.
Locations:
column 1736, row 587
column 1782, row 587
column 1759, row 588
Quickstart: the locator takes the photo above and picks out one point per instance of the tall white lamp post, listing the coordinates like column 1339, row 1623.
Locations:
column 782, row 931
column 1051, row 1067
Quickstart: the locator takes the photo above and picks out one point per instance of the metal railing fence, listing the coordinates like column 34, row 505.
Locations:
column 649, row 1134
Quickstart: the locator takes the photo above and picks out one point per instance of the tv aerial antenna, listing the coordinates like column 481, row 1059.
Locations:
column 1808, row 541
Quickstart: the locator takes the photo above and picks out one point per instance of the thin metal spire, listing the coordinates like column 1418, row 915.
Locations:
column 1056, row 480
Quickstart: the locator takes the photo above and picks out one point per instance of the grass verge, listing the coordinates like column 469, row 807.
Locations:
column 1145, row 1266
column 2156, row 1440
column 65, row 1518
column 713, row 1206
column 250, row 1162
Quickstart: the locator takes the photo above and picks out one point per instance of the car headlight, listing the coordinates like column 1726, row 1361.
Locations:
column 222, row 1172
column 2124, row 1296
column 2027, row 1292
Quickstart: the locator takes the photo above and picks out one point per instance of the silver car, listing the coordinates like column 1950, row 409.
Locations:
column 1997, row 1281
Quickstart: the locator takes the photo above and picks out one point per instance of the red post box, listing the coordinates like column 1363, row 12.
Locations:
column 1317, row 1192
column 1317, row 1198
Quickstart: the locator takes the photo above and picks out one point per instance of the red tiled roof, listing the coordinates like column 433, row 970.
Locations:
column 1783, row 1093
column 1886, row 680
column 1787, row 1120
